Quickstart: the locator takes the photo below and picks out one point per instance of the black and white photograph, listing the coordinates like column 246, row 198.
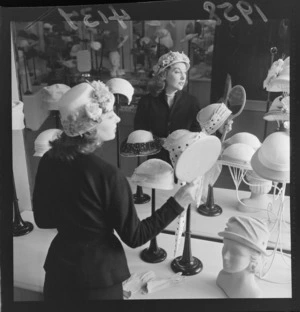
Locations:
column 151, row 154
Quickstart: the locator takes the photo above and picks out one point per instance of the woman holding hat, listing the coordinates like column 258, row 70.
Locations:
column 86, row 199
column 167, row 107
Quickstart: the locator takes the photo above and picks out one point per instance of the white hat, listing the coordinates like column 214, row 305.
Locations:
column 198, row 158
column 272, row 160
column 140, row 143
column 237, row 155
column 169, row 59
column 41, row 143
column 121, row 86
column 52, row 94
column 212, row 117
column 278, row 78
column 95, row 45
column 17, row 115
column 154, row 173
column 248, row 231
column 82, row 106
column 178, row 141
column 279, row 110
column 243, row 137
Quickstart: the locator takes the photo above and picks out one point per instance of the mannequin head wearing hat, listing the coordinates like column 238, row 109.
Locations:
column 88, row 119
column 170, row 73
column 245, row 241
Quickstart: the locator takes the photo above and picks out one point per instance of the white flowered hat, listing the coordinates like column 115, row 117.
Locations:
column 82, row 106
column 169, row 59
column 52, row 94
column 154, row 173
column 278, row 78
column 121, row 86
column 41, row 143
column 248, row 231
column 178, row 141
column 279, row 110
column 212, row 117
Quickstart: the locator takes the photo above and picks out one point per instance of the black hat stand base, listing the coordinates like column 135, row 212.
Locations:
column 139, row 197
column 210, row 209
column 153, row 254
column 187, row 264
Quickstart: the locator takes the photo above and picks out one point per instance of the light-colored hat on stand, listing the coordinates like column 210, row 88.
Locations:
column 212, row 117
column 243, row 137
column 140, row 143
column 169, row 59
column 82, row 106
column 17, row 115
column 279, row 109
column 248, row 231
column 154, row 173
column 278, row 79
column 178, row 141
column 52, row 94
column 237, row 155
column 121, row 86
column 272, row 160
column 41, row 143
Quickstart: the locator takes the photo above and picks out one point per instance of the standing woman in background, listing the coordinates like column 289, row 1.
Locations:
column 167, row 107
column 86, row 199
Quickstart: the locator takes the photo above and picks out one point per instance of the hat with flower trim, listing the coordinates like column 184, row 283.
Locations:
column 169, row 59
column 82, row 106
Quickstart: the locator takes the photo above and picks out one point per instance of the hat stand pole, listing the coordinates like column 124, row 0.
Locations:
column 118, row 130
column 153, row 254
column 273, row 51
column 20, row 227
column 210, row 209
column 27, row 92
column 187, row 264
column 139, row 197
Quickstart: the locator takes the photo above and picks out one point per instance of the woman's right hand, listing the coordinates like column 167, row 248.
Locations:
column 187, row 194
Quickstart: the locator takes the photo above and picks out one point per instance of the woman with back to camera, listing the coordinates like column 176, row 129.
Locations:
column 167, row 107
column 86, row 199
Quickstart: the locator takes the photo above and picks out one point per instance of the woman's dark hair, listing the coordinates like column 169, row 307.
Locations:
column 157, row 83
column 67, row 148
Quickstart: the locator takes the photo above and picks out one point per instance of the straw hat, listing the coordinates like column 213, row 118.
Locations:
column 169, row 59
column 52, row 94
column 140, row 143
column 178, row 141
column 82, row 106
column 121, row 86
column 243, row 137
column 279, row 109
column 272, row 160
column 248, row 231
column 237, row 155
column 41, row 143
column 212, row 117
column 154, row 173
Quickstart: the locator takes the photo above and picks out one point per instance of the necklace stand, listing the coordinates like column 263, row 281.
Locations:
column 139, row 197
column 187, row 264
column 209, row 209
column 153, row 254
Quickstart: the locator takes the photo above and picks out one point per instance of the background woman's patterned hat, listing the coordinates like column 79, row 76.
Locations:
column 169, row 59
column 140, row 143
column 82, row 106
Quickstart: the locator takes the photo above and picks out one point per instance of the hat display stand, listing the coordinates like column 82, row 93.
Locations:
column 139, row 197
column 153, row 254
column 187, row 170
column 210, row 209
column 273, row 51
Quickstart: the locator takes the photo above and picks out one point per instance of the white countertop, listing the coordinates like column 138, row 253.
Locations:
column 30, row 251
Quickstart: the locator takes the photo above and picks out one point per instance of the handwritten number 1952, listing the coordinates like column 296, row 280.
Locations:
column 244, row 7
